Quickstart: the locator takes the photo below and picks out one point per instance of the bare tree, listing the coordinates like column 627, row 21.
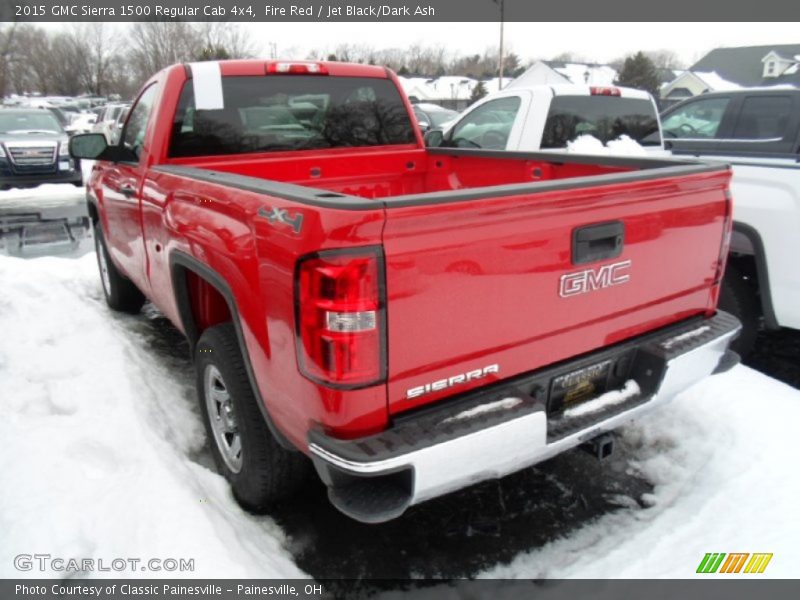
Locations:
column 665, row 59
column 227, row 37
column 7, row 33
column 96, row 47
column 155, row 45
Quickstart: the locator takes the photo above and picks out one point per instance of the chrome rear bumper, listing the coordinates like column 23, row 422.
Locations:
column 434, row 452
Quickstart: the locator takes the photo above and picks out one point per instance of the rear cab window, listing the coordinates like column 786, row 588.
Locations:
column 291, row 112
column 603, row 117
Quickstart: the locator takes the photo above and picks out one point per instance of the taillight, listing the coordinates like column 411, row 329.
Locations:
column 293, row 68
column 341, row 325
column 604, row 91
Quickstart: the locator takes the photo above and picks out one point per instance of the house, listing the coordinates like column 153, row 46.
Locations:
column 733, row 68
column 693, row 83
column 556, row 71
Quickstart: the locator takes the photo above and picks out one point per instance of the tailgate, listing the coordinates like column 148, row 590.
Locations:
column 486, row 288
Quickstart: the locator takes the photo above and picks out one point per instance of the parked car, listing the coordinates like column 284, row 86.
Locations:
column 758, row 132
column 84, row 122
column 34, row 149
column 535, row 301
column 548, row 117
column 432, row 116
column 110, row 120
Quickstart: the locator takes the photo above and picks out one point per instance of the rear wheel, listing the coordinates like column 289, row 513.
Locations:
column 260, row 471
column 738, row 297
column 120, row 292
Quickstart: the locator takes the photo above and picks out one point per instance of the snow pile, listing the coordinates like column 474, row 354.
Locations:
column 715, row 82
column 610, row 398
column 623, row 145
column 724, row 465
column 56, row 192
column 503, row 404
column 685, row 336
column 100, row 440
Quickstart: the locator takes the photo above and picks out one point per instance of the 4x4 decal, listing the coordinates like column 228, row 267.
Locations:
column 281, row 216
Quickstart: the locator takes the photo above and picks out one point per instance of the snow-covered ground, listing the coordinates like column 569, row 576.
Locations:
column 99, row 439
column 103, row 457
column 48, row 195
column 724, row 461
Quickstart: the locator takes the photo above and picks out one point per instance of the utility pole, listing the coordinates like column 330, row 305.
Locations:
column 502, row 4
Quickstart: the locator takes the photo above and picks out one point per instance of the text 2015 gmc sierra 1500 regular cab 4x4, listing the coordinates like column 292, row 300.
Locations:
column 412, row 320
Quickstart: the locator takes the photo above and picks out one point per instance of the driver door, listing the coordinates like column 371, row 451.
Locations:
column 122, row 187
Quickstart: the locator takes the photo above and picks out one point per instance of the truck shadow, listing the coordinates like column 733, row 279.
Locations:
column 464, row 533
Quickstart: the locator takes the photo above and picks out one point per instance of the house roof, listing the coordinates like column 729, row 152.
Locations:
column 593, row 73
column 439, row 88
column 743, row 65
column 716, row 83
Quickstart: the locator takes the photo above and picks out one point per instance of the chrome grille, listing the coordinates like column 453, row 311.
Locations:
column 39, row 155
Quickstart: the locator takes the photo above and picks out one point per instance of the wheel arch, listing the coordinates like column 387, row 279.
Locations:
column 747, row 241
column 182, row 268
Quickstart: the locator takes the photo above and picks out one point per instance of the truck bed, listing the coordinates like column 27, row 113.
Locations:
column 413, row 176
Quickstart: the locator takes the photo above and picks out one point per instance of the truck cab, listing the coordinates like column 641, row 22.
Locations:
column 548, row 117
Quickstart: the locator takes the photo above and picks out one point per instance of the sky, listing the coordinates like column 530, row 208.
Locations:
column 598, row 42
column 595, row 42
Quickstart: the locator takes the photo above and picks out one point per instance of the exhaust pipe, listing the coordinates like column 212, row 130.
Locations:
column 600, row 447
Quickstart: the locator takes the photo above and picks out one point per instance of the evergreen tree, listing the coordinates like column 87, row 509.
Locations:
column 213, row 53
column 478, row 92
column 640, row 72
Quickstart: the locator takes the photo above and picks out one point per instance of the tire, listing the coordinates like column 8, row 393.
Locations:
column 120, row 292
column 738, row 297
column 260, row 471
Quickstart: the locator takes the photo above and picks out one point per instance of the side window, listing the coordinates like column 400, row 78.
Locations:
column 696, row 120
column 488, row 126
column 136, row 127
column 763, row 118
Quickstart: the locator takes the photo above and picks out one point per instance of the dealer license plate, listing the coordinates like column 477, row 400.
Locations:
column 578, row 386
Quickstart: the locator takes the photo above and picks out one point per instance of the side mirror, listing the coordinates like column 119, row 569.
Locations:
column 94, row 146
column 87, row 145
column 424, row 126
column 434, row 138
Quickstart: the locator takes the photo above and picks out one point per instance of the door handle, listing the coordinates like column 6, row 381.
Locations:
column 597, row 242
column 127, row 191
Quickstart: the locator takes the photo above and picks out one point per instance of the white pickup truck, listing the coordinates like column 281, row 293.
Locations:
column 531, row 118
column 757, row 131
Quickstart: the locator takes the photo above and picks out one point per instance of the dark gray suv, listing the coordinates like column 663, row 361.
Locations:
column 34, row 149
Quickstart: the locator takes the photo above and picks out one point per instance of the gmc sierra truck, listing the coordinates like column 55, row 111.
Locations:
column 412, row 320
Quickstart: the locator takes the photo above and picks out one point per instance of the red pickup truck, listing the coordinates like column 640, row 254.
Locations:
column 412, row 320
